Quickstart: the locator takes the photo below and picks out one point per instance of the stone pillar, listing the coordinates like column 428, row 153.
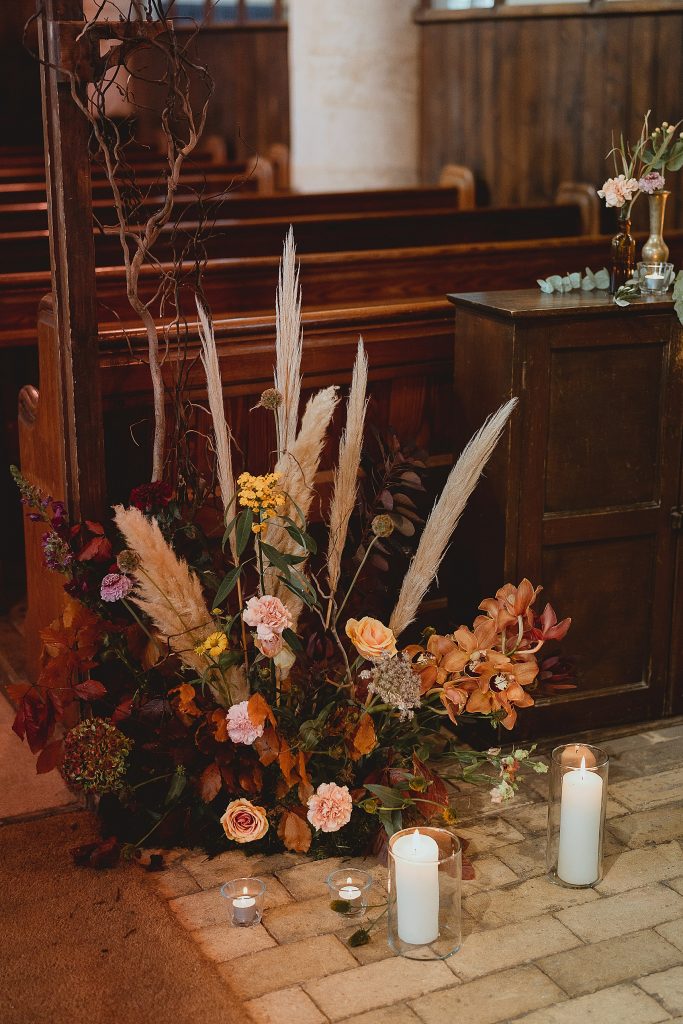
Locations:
column 353, row 71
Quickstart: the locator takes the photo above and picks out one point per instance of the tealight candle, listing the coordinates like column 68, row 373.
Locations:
column 244, row 909
column 416, row 858
column 580, row 821
column 654, row 281
column 351, row 894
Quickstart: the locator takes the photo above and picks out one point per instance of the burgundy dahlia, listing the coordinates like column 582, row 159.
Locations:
column 151, row 497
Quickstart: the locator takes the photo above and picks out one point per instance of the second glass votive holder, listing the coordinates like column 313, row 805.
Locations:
column 654, row 279
column 350, row 886
column 425, row 878
column 245, row 901
column 577, row 799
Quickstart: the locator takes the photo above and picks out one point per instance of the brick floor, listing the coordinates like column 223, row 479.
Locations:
column 533, row 952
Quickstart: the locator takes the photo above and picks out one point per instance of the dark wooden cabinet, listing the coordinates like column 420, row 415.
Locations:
column 582, row 494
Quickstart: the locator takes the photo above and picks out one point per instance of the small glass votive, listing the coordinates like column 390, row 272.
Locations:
column 654, row 279
column 577, row 800
column 245, row 900
column 425, row 878
column 350, row 886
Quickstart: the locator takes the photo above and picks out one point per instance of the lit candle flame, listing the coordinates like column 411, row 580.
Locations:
column 349, row 881
column 245, row 891
column 583, row 764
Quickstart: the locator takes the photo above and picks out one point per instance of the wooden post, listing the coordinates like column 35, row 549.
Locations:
column 72, row 254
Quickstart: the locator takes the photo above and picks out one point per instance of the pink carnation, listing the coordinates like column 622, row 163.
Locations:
column 329, row 809
column 241, row 729
column 114, row 586
column 617, row 191
column 271, row 648
column 652, row 182
column 269, row 616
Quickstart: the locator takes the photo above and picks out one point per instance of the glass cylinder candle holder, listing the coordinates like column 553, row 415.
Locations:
column 576, row 814
column 245, row 900
column 654, row 279
column 425, row 879
column 350, row 886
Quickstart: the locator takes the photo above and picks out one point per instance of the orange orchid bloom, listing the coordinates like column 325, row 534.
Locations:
column 500, row 684
column 510, row 603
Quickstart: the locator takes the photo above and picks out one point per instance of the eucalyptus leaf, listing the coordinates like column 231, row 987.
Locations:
column 677, row 296
column 602, row 278
column 545, row 286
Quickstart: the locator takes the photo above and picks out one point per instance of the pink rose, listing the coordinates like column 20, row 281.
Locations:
column 268, row 615
column 243, row 822
column 619, row 190
column 329, row 809
column 652, row 182
column 115, row 586
column 241, row 729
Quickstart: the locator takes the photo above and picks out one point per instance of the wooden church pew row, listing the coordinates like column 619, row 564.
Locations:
column 31, row 215
column 29, row 250
column 334, row 279
column 410, row 352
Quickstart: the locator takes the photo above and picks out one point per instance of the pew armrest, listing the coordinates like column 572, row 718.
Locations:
column 460, row 177
column 583, row 195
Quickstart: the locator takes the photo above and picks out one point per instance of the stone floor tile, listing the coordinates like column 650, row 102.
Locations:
column 527, row 859
column 306, row 881
column 376, row 949
column 497, row 997
column 643, row 828
column 676, row 884
column 173, row 881
column 528, row 899
column 282, row 967
column 626, row 912
column 489, row 873
column 532, row 818
column 588, row 968
column 672, row 931
column 622, row 1004
column 288, row 1006
column 207, row 907
column 213, row 871
column 489, row 835
column 298, row 920
column 647, row 759
column 635, row 868
column 375, row 985
column 495, row 949
column 649, row 790
column 222, row 942
column 667, row 988
column 397, row 1014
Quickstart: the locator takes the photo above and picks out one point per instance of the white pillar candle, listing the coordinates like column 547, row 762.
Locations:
column 580, row 819
column 416, row 859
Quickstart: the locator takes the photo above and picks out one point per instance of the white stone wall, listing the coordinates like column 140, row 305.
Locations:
column 353, row 94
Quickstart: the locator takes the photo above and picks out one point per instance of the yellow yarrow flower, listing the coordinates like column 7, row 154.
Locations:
column 214, row 645
column 260, row 494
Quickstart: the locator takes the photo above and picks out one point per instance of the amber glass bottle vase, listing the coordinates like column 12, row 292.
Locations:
column 623, row 255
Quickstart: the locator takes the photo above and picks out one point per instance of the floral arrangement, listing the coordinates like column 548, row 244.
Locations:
column 257, row 690
column 639, row 168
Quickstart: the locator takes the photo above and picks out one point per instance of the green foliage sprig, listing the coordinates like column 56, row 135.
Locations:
column 575, row 282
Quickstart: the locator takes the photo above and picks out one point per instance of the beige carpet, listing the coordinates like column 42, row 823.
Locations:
column 84, row 947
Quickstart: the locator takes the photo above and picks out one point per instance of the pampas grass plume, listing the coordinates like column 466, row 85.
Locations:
column 288, row 346
column 444, row 517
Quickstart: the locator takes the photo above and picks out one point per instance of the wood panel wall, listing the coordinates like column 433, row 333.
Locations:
column 529, row 101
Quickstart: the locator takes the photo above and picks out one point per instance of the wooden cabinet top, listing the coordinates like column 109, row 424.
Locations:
column 532, row 303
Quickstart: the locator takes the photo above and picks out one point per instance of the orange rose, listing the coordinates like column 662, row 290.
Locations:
column 243, row 822
column 371, row 638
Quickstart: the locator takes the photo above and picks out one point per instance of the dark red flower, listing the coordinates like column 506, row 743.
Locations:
column 151, row 497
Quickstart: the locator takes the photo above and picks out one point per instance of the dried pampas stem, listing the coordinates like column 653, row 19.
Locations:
column 444, row 517
column 298, row 468
column 214, row 388
column 346, row 474
column 288, row 345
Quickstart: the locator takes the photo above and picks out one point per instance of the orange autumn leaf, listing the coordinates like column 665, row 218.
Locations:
column 219, row 720
column 305, row 786
column 268, row 746
column 185, row 700
column 364, row 738
column 210, row 782
column 287, row 763
column 259, row 710
column 294, row 832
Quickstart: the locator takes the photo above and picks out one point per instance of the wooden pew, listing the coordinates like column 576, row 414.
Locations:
column 321, row 233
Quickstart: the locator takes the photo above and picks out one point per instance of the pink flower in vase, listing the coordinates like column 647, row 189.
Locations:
column 617, row 191
column 329, row 809
column 652, row 182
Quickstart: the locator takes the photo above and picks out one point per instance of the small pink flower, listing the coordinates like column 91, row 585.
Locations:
column 271, row 648
column 329, row 809
column 268, row 615
column 652, row 182
column 617, row 191
column 115, row 586
column 241, row 729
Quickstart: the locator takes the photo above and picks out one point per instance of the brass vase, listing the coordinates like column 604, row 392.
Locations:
column 655, row 249
column 623, row 255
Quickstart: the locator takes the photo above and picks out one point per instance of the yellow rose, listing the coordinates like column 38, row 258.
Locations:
column 371, row 638
column 244, row 822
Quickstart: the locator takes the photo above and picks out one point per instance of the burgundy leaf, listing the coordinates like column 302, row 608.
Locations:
column 51, row 756
column 90, row 689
